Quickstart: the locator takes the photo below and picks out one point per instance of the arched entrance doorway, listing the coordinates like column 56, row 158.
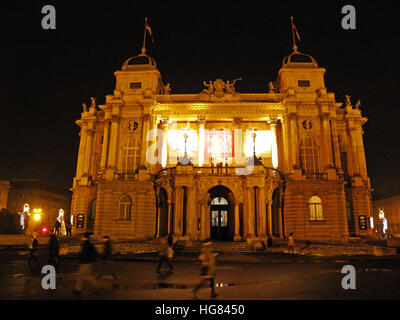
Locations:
column 163, row 229
column 221, row 214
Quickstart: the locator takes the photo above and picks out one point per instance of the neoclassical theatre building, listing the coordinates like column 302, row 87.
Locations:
column 222, row 164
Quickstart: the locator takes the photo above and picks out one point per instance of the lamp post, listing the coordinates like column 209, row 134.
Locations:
column 255, row 159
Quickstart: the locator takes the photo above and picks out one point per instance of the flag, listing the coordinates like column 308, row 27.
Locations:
column 148, row 29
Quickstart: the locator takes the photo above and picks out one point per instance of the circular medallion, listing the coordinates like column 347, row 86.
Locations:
column 132, row 125
column 306, row 124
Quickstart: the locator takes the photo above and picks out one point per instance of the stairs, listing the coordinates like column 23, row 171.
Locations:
column 217, row 247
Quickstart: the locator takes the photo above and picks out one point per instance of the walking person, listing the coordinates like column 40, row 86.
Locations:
column 207, row 258
column 87, row 256
column 33, row 244
column 57, row 227
column 54, row 250
column 291, row 243
column 68, row 228
column 166, row 253
column 107, row 265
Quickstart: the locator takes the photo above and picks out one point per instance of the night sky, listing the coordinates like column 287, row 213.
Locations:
column 45, row 75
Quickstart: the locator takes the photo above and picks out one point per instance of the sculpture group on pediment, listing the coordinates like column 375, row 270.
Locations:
column 271, row 87
column 219, row 87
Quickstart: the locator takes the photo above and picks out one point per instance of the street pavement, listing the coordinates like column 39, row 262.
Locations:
column 240, row 276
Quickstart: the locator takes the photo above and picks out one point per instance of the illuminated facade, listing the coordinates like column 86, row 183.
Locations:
column 219, row 163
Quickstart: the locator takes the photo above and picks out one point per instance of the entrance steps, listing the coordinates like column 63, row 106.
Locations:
column 217, row 247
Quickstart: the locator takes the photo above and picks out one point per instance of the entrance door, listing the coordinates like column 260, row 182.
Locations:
column 219, row 219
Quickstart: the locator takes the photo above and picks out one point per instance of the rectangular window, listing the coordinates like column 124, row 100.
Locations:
column 135, row 85
column 303, row 83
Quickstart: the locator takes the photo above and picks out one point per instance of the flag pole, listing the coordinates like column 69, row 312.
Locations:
column 144, row 37
column 294, row 39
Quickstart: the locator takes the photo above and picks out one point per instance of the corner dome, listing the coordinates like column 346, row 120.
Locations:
column 142, row 61
column 297, row 58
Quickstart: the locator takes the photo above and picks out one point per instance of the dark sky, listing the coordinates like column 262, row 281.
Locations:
column 45, row 75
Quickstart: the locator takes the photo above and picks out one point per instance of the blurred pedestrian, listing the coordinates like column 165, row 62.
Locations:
column 269, row 241
column 166, row 253
column 207, row 258
column 68, row 228
column 57, row 227
column 291, row 243
column 54, row 250
column 87, row 256
column 107, row 263
column 33, row 244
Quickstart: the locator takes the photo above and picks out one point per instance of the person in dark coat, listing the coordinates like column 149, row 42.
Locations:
column 207, row 258
column 106, row 257
column 87, row 256
column 269, row 241
column 68, row 228
column 57, row 227
column 166, row 254
column 32, row 249
column 54, row 250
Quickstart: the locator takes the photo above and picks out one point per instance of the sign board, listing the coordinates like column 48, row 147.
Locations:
column 80, row 221
column 362, row 222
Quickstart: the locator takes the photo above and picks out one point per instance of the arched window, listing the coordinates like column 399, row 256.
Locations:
column 124, row 211
column 93, row 210
column 315, row 207
column 309, row 155
column 130, row 156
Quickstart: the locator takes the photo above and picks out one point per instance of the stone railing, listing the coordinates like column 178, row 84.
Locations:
column 262, row 97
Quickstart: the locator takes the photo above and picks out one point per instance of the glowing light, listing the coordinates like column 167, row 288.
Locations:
column 264, row 140
column 26, row 207
column 176, row 142
column 36, row 216
column 44, row 229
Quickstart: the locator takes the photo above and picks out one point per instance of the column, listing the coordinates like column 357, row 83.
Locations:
column 112, row 155
column 104, row 150
column 145, row 143
column 269, row 213
column 250, row 211
column 237, row 222
column 201, row 123
column 239, row 159
column 274, row 147
column 327, row 140
column 361, row 152
column 169, row 216
column 285, row 149
column 262, row 213
column 88, row 153
column 82, row 150
column 191, row 213
column 355, row 157
column 203, row 231
column 164, row 142
column 178, row 211
column 336, row 149
column 294, row 140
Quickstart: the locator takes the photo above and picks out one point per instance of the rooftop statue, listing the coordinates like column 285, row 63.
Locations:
column 210, row 87
column 167, row 89
column 84, row 107
column 93, row 105
column 357, row 106
column 230, row 86
column 271, row 87
column 348, row 102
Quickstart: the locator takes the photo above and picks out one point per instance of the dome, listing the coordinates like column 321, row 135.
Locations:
column 142, row 61
column 300, row 59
